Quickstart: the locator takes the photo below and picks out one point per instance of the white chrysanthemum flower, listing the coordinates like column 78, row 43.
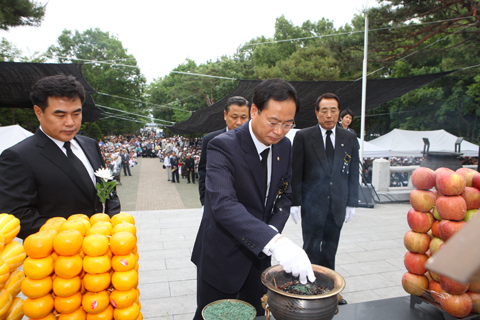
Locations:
column 105, row 174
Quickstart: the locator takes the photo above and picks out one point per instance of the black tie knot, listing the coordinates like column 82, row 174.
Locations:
column 66, row 145
column 329, row 132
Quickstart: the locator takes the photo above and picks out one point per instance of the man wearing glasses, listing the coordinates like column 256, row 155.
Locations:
column 243, row 218
column 325, row 182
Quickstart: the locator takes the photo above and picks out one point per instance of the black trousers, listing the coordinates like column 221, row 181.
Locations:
column 175, row 174
column 251, row 292
column 321, row 245
column 191, row 173
column 126, row 167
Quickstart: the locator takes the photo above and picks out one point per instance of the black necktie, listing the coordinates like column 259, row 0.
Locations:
column 329, row 150
column 78, row 165
column 264, row 155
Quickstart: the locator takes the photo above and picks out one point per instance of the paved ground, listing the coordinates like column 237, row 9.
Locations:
column 370, row 256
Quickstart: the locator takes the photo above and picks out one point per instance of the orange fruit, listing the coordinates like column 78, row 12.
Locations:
column 38, row 245
column 32, row 288
column 50, row 316
column 105, row 224
column 107, row 314
column 122, row 243
column 98, row 229
column 68, row 304
column 39, row 307
column 68, row 242
column 122, row 216
column 140, row 315
column 75, row 225
column 138, row 292
column 66, row 287
column 124, row 226
column 97, row 282
column 124, row 263
column 96, row 265
column 78, row 314
column 129, row 313
column 95, row 245
column 68, row 266
column 135, row 250
column 53, row 225
column 99, row 217
column 95, row 302
column 125, row 280
column 56, row 219
column 38, row 268
column 79, row 216
column 123, row 299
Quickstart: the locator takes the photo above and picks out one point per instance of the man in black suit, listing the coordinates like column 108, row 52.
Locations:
column 236, row 113
column 125, row 162
column 174, row 165
column 240, row 229
column 325, row 181
column 51, row 174
column 190, row 167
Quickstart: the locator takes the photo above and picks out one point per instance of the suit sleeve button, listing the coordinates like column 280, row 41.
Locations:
column 328, row 197
column 331, row 183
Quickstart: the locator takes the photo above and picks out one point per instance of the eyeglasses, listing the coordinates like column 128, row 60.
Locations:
column 275, row 125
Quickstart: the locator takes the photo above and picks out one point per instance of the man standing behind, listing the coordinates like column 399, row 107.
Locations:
column 235, row 114
column 241, row 224
column 51, row 174
column 125, row 162
column 174, row 165
column 325, row 181
column 166, row 163
column 189, row 168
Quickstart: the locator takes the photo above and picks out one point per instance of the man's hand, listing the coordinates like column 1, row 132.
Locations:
column 295, row 213
column 293, row 259
column 349, row 214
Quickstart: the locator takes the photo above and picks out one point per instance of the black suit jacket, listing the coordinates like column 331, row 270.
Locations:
column 314, row 188
column 202, row 166
column 235, row 223
column 189, row 164
column 37, row 182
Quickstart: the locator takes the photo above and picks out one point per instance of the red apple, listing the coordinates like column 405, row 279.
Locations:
column 422, row 200
column 437, row 194
column 414, row 284
column 458, row 306
column 474, row 286
column 453, row 287
column 475, row 301
column 450, row 183
column 447, row 228
column 435, row 244
column 435, row 229
column 424, row 178
column 442, row 169
column 468, row 174
column 476, row 181
column 436, row 290
column 470, row 214
column 416, row 241
column 419, row 221
column 415, row 262
column 435, row 276
column 472, row 197
column 451, row 207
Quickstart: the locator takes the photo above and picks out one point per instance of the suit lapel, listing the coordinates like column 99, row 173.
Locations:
column 318, row 146
column 251, row 156
column 89, row 152
column 53, row 153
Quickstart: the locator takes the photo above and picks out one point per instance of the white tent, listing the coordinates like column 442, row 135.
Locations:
column 405, row 143
column 11, row 135
column 370, row 150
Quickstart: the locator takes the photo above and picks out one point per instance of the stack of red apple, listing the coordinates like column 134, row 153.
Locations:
column 435, row 217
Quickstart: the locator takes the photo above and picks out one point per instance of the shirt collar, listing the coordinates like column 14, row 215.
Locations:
column 258, row 145
column 324, row 131
column 59, row 143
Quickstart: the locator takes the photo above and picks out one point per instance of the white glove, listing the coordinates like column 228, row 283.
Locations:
column 293, row 259
column 349, row 214
column 295, row 213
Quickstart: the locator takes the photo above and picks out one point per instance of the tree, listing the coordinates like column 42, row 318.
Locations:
column 14, row 13
column 110, row 70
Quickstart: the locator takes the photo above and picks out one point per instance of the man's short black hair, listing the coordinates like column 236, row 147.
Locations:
column 276, row 89
column 59, row 86
column 345, row 112
column 236, row 100
column 327, row 95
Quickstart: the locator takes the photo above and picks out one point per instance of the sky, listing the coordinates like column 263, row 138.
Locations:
column 162, row 34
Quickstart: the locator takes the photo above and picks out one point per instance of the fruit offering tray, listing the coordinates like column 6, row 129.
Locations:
column 427, row 298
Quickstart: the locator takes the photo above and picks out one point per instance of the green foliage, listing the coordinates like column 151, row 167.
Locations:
column 92, row 130
column 114, row 73
column 14, row 13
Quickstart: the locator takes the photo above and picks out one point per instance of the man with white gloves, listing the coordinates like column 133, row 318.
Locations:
column 247, row 168
column 324, row 182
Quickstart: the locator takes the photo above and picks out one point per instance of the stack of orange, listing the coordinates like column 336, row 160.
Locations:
column 12, row 255
column 84, row 268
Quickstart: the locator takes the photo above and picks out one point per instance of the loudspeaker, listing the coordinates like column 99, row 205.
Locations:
column 365, row 197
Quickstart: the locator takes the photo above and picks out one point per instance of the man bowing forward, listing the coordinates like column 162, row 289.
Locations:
column 240, row 229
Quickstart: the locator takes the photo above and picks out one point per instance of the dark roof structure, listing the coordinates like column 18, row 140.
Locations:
column 17, row 79
column 350, row 93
